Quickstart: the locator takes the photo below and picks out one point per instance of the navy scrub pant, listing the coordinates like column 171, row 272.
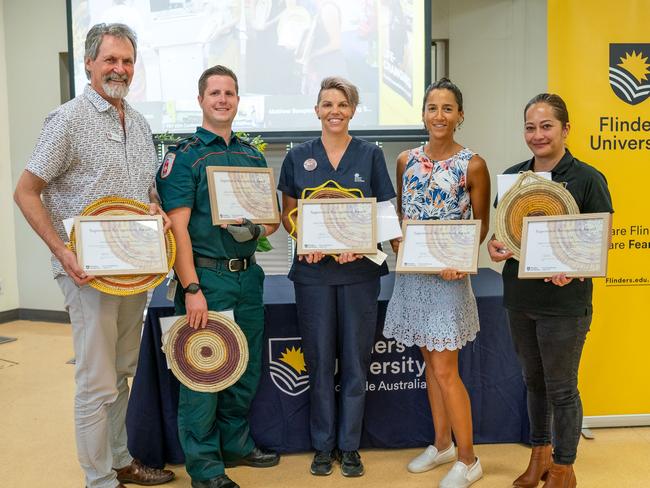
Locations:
column 337, row 320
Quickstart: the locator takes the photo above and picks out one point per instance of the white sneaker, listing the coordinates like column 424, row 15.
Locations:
column 461, row 475
column 431, row 458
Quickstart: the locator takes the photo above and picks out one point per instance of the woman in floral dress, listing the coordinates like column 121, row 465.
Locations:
column 441, row 180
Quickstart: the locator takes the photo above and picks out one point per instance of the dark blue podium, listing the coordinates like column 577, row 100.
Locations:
column 397, row 410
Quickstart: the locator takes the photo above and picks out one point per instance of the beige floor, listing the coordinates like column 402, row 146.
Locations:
column 37, row 442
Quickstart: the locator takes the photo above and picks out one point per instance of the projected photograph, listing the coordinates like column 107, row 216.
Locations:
column 280, row 50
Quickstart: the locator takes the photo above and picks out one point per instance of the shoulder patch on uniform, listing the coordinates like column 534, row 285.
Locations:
column 167, row 164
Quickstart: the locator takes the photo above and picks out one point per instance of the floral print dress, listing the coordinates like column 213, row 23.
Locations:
column 426, row 310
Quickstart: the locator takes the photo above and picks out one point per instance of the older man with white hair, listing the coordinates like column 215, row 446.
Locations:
column 94, row 146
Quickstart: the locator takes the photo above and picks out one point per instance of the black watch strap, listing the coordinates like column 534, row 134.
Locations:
column 192, row 288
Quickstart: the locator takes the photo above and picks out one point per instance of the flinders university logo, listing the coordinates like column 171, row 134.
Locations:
column 287, row 365
column 629, row 70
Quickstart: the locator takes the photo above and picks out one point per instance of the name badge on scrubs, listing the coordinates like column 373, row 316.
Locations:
column 310, row 164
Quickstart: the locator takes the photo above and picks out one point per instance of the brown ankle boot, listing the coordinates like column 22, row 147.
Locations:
column 540, row 463
column 561, row 476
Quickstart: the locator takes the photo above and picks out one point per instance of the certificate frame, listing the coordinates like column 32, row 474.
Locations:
column 561, row 252
column 217, row 207
column 371, row 238
column 407, row 225
column 159, row 265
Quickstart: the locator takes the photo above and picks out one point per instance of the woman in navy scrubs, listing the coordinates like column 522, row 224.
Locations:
column 336, row 299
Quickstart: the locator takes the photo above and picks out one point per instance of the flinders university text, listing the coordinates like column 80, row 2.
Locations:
column 620, row 134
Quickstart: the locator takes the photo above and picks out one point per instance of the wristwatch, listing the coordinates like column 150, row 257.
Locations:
column 192, row 288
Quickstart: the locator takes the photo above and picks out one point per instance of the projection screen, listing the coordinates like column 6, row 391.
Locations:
column 280, row 50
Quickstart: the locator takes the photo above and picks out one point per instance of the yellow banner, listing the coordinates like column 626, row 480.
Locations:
column 599, row 62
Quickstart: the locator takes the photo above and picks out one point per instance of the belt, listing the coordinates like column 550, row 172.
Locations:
column 233, row 265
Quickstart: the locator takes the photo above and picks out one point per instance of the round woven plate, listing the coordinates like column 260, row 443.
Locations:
column 329, row 189
column 209, row 359
column 531, row 195
column 123, row 285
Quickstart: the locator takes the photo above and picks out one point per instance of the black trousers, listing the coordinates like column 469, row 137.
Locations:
column 549, row 350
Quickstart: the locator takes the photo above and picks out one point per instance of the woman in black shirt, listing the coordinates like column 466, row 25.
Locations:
column 549, row 318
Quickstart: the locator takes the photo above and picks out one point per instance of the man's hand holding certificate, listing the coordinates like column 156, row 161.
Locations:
column 121, row 244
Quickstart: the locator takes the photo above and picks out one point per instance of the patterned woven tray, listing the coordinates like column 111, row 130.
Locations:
column 123, row 285
column 209, row 359
column 530, row 195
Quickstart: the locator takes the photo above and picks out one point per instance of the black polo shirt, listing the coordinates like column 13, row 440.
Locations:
column 589, row 189
column 363, row 167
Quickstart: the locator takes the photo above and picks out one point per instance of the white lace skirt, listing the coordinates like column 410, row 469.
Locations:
column 427, row 311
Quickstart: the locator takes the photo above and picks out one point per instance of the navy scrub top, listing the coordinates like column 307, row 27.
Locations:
column 362, row 166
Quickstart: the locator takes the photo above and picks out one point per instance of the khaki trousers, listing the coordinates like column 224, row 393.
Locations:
column 106, row 331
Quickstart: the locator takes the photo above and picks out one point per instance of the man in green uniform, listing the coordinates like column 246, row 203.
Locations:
column 216, row 269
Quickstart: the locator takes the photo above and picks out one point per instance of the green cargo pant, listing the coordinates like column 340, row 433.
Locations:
column 213, row 427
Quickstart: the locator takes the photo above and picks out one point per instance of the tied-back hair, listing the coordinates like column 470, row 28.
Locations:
column 217, row 70
column 96, row 36
column 444, row 84
column 555, row 102
column 337, row 83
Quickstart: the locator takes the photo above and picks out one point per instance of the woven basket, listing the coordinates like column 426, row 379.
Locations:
column 209, row 359
column 530, row 195
column 123, row 285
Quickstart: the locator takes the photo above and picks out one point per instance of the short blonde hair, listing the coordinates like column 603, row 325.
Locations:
column 337, row 83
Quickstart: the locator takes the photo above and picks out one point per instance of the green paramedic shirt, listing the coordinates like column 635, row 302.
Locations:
column 182, row 182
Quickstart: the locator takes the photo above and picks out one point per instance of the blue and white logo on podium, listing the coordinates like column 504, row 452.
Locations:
column 628, row 72
column 287, row 365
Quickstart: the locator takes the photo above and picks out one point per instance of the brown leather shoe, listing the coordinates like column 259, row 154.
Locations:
column 138, row 473
column 539, row 465
column 561, row 476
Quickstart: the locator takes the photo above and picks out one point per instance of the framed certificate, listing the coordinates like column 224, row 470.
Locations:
column 336, row 225
column 121, row 244
column 429, row 246
column 237, row 192
column 572, row 244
